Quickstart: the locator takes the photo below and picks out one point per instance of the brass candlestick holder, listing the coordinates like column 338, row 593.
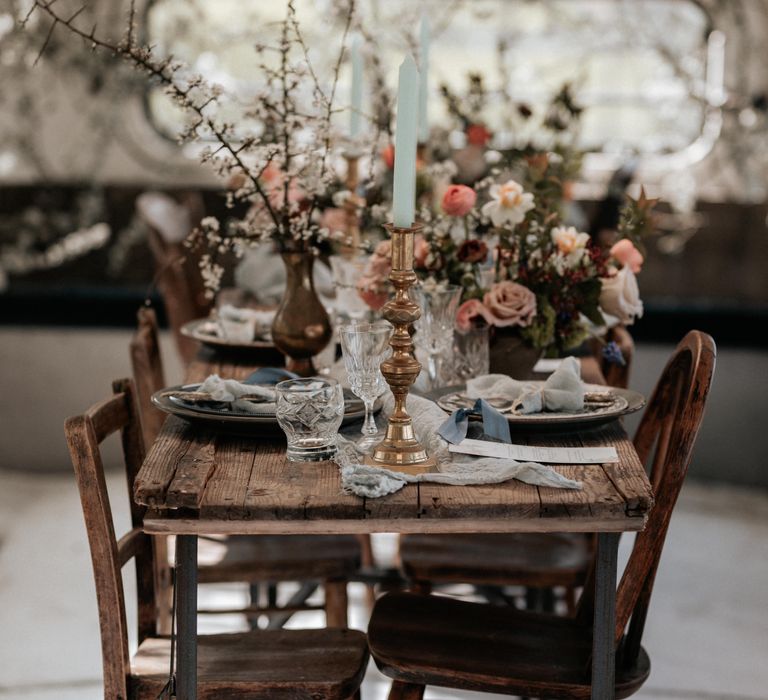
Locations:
column 400, row 450
column 351, row 206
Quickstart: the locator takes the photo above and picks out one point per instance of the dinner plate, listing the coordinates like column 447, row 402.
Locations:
column 610, row 403
column 215, row 415
column 206, row 331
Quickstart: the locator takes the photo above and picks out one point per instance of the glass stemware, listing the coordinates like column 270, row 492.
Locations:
column 364, row 346
column 434, row 330
column 471, row 353
column 349, row 306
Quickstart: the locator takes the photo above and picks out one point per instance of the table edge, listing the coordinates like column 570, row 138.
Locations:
column 155, row 525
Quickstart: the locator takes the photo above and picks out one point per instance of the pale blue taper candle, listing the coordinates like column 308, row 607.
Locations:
column 357, row 88
column 404, row 194
column 424, row 83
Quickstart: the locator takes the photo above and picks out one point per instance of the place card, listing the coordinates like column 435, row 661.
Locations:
column 531, row 453
column 547, row 365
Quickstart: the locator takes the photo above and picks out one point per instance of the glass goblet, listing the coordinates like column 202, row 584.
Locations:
column 434, row 329
column 364, row 346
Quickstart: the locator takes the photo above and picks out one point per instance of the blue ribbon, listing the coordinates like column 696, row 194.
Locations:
column 270, row 375
column 495, row 425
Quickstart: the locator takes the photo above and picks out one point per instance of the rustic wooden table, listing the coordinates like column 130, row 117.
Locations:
column 208, row 483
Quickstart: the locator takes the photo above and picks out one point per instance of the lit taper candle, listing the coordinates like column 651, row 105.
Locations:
column 357, row 88
column 404, row 195
column 424, row 82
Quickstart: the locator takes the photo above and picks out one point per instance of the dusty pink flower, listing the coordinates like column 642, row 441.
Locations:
column 627, row 255
column 458, row 200
column 505, row 304
column 467, row 311
column 510, row 304
column 373, row 285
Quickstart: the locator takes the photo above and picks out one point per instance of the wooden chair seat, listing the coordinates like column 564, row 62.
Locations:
column 278, row 558
column 535, row 560
column 435, row 640
column 425, row 640
column 295, row 664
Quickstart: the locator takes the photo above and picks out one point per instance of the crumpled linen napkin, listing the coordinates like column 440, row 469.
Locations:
column 230, row 390
column 461, row 470
column 243, row 325
column 562, row 392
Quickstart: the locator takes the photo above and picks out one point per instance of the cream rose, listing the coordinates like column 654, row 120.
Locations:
column 568, row 240
column 620, row 296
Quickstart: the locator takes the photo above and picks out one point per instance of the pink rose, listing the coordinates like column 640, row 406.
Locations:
column 373, row 285
column 505, row 304
column 467, row 311
column 511, row 304
column 625, row 253
column 458, row 200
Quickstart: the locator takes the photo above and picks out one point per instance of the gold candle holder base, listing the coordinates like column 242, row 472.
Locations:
column 429, row 466
column 400, row 450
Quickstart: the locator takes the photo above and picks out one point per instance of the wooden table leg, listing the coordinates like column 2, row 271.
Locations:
column 186, row 617
column 603, row 661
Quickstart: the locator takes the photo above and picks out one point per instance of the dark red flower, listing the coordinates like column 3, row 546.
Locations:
column 472, row 251
column 478, row 135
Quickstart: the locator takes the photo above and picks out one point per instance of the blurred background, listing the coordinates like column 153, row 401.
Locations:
column 675, row 97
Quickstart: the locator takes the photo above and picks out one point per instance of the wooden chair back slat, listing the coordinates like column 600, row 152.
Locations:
column 148, row 374
column 180, row 285
column 664, row 440
column 84, row 434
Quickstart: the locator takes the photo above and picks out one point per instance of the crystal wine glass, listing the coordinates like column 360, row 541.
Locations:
column 434, row 330
column 364, row 347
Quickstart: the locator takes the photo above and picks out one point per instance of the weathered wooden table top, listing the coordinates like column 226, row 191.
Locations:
column 200, row 481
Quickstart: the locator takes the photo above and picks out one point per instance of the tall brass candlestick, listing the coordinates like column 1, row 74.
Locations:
column 351, row 206
column 400, row 450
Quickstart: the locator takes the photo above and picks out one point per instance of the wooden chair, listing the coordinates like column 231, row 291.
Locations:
column 179, row 282
column 259, row 561
column 428, row 640
column 541, row 563
column 257, row 664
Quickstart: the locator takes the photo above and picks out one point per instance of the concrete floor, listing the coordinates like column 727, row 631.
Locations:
column 707, row 633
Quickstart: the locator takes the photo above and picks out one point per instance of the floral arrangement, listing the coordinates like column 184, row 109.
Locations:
column 520, row 266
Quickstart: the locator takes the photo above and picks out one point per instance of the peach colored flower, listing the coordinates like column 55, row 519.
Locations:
column 627, row 255
column 568, row 239
column 505, row 304
column 458, row 200
column 511, row 304
column 373, row 285
column 467, row 311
